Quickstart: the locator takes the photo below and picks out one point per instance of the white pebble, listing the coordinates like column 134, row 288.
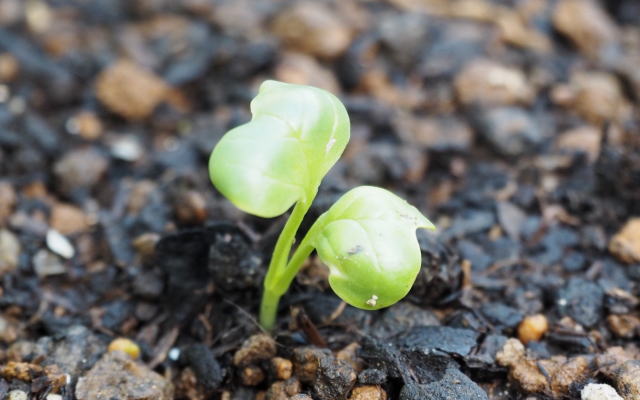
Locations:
column 599, row 391
column 174, row 354
column 4, row 93
column 127, row 148
column 46, row 263
column 17, row 395
column 52, row 396
column 59, row 244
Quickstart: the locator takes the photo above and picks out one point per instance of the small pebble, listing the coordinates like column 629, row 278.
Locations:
column 52, row 396
column 8, row 200
column 145, row 244
column 17, row 395
column 85, row 124
column 130, row 90
column 116, row 376
column 59, row 244
column 252, row 375
column 174, row 354
column 371, row 392
column 488, row 82
column 126, row 148
column 9, row 251
column 583, row 139
column 68, row 219
column 282, row 390
column 624, row 326
column 9, row 67
column 313, row 28
column 587, row 25
column 625, row 245
column 282, row 368
column 46, row 264
column 532, row 328
column 257, row 348
column 598, row 97
column 521, row 369
column 599, row 391
column 81, row 168
column 126, row 346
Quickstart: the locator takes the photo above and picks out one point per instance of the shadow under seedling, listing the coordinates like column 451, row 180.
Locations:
column 277, row 160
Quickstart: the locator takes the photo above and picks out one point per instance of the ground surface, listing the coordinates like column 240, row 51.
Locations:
column 512, row 124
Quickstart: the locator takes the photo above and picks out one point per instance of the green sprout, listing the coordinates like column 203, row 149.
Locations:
column 277, row 160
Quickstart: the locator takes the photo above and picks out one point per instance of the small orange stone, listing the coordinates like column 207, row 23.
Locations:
column 532, row 328
column 126, row 346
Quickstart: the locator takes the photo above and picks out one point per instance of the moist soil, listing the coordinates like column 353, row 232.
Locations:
column 513, row 125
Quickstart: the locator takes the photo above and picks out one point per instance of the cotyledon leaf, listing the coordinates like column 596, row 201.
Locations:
column 295, row 136
column 368, row 240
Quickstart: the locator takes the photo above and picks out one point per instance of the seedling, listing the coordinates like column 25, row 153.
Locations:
column 277, row 161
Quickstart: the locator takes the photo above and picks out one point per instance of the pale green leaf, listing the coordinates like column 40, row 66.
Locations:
column 295, row 136
column 368, row 240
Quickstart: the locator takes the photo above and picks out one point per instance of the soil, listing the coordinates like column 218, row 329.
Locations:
column 513, row 125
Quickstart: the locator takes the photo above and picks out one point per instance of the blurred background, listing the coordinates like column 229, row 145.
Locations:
column 513, row 124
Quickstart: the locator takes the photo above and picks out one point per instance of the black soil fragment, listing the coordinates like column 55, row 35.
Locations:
column 581, row 300
column 440, row 276
column 205, row 366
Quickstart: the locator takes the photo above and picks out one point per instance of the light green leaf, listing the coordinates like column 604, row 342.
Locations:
column 296, row 135
column 368, row 240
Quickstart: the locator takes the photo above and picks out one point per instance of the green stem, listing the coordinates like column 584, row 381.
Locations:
column 273, row 288
column 300, row 255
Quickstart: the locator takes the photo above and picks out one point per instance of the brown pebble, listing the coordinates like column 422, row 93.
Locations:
column 564, row 372
column 348, row 354
column 514, row 30
column 301, row 396
column 305, row 70
column 313, row 28
column 306, row 361
column 80, row 168
column 145, row 245
column 86, row 124
column 282, row 368
column 23, row 371
column 598, row 96
column 139, row 195
column 256, row 348
column 284, row 390
column 532, row 328
column 130, row 90
column 190, row 207
column 625, row 245
column 584, row 139
column 187, row 386
column 9, row 251
column 487, row 82
column 10, row 329
column 252, row 375
column 586, row 24
column 624, row 326
column 7, row 201
column 618, row 365
column 9, row 67
column 521, row 369
column 126, row 346
column 627, row 379
column 116, row 376
column 68, row 219
column 369, row 392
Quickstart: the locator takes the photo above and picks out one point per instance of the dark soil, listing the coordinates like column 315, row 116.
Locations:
column 513, row 125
